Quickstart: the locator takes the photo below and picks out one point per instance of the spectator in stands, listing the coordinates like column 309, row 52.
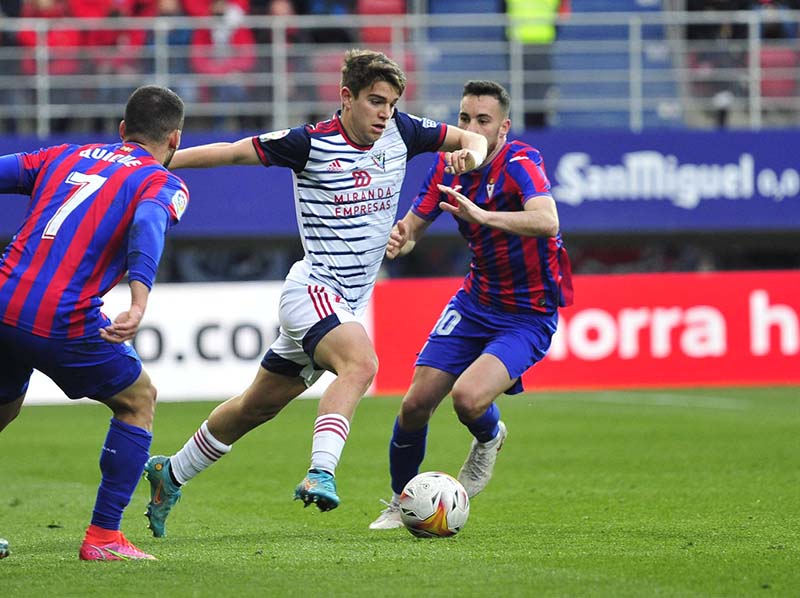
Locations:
column 779, row 60
column 718, row 57
column 777, row 23
column 533, row 23
column 8, row 39
column 296, row 62
column 64, row 62
column 179, row 41
column 221, row 53
column 329, row 35
column 114, row 53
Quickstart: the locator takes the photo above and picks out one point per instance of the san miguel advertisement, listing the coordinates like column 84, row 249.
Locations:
column 624, row 331
column 682, row 180
column 604, row 182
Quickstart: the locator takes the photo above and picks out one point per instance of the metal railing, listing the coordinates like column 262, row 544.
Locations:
column 623, row 70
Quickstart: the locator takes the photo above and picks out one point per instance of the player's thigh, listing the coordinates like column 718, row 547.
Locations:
column 310, row 316
column 346, row 346
column 271, row 391
column 94, row 368
column 136, row 403
column 15, row 366
column 86, row 367
column 482, row 382
column 9, row 411
column 520, row 343
column 456, row 340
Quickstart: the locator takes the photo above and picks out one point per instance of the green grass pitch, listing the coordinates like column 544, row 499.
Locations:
column 625, row 493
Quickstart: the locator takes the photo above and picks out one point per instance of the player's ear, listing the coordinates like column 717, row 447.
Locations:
column 122, row 129
column 346, row 96
column 175, row 139
column 505, row 127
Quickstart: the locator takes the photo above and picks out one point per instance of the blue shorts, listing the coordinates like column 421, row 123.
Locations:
column 83, row 367
column 467, row 329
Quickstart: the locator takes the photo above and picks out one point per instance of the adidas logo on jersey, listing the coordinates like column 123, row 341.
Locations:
column 335, row 166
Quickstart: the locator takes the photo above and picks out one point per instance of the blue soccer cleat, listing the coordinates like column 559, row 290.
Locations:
column 319, row 488
column 163, row 494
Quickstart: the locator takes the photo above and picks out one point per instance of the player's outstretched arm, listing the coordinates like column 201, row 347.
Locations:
column 405, row 234
column 239, row 152
column 464, row 150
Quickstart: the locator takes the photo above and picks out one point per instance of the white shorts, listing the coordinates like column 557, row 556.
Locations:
column 307, row 312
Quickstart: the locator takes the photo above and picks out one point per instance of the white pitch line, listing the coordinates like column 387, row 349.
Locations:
column 669, row 400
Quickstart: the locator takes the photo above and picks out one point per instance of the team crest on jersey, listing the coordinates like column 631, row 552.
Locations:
column 179, row 201
column 490, row 188
column 273, row 135
column 379, row 158
column 126, row 148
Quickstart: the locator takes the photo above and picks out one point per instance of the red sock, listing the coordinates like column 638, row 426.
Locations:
column 99, row 535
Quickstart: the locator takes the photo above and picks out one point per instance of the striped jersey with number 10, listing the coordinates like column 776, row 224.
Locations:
column 346, row 196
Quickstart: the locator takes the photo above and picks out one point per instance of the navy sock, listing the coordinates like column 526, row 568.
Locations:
column 121, row 465
column 406, row 452
column 485, row 427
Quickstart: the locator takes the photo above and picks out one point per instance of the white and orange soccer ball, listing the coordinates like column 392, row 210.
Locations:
column 434, row 504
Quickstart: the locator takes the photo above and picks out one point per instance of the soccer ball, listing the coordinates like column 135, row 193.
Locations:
column 4, row 550
column 434, row 504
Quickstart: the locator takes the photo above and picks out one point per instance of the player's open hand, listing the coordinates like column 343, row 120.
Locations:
column 463, row 207
column 397, row 239
column 124, row 326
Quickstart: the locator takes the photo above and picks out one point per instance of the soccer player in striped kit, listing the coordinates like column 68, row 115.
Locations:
column 347, row 173
column 501, row 321
column 96, row 211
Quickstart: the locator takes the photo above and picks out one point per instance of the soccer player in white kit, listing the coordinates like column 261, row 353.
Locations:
column 347, row 174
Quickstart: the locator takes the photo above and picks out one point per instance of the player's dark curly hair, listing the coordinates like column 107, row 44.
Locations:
column 152, row 113
column 489, row 88
column 362, row 68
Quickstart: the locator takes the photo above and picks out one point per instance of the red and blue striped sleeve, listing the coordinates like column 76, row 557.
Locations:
column 526, row 168
column 426, row 203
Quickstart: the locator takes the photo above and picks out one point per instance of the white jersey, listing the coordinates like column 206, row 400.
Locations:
column 346, row 196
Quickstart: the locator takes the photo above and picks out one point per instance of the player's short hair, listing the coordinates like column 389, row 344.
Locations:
column 489, row 88
column 152, row 113
column 362, row 68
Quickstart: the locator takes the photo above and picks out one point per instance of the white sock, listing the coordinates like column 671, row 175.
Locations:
column 199, row 452
column 330, row 434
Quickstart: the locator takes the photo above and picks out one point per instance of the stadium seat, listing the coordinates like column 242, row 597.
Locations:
column 327, row 66
column 779, row 71
column 610, row 61
column 379, row 35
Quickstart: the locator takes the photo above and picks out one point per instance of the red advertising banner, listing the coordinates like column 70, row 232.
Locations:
column 630, row 330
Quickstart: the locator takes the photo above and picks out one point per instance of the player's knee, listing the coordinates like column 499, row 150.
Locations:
column 363, row 369
column 137, row 407
column 370, row 366
column 145, row 404
column 467, row 402
column 415, row 411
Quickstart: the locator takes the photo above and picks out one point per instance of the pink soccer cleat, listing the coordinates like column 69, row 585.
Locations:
column 119, row 550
